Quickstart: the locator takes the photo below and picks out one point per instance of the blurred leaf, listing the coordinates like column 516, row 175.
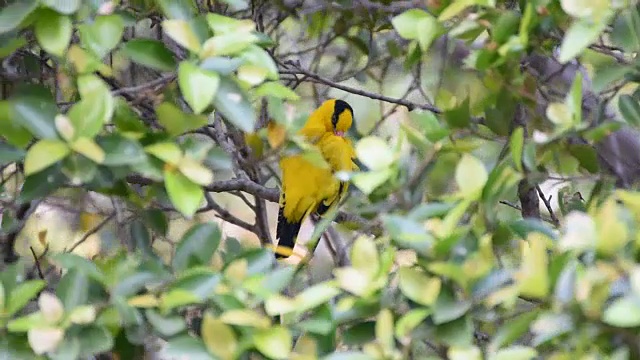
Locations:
column 471, row 175
column 197, row 246
column 408, row 233
column 623, row 312
column 198, row 86
column 227, row 44
column 374, row 153
column 165, row 325
column 120, row 150
column 417, row 286
column 533, row 278
column 73, row 289
column 176, row 122
column 13, row 14
column 150, row 53
column 275, row 342
column 182, row 33
column 53, row 32
column 95, row 340
column 459, row 116
column 187, row 346
column 232, row 103
column 9, row 154
column 630, row 109
column 33, row 107
column 102, row 35
column 178, row 9
column 447, row 308
column 43, row 154
column 185, row 195
column 517, row 145
column 512, row 330
column 517, row 352
column 66, row 7
column 409, row 321
column 22, row 294
column 587, row 156
column 218, row 337
column 578, row 37
column 407, row 24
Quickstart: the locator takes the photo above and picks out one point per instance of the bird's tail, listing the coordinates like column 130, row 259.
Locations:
column 286, row 234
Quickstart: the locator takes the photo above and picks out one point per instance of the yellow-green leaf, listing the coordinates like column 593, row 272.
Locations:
column 218, row 337
column 43, row 154
column 88, row 148
column 275, row 342
column 182, row 33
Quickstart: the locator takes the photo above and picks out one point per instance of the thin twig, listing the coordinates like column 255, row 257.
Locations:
column 92, row 231
column 547, row 204
column 37, row 262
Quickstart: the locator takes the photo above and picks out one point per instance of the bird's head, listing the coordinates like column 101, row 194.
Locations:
column 337, row 116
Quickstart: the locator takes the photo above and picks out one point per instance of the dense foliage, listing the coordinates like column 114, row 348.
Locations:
column 495, row 216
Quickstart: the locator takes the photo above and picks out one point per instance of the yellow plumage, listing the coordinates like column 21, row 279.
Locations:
column 307, row 187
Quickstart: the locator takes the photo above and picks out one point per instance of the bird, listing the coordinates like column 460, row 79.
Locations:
column 307, row 187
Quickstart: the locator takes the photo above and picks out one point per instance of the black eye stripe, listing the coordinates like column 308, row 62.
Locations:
column 339, row 107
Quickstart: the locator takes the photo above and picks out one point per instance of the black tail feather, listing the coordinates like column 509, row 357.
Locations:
column 286, row 233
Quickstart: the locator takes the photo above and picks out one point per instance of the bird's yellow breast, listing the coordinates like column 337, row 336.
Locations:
column 306, row 185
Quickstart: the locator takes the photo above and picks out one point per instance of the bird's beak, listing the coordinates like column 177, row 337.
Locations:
column 339, row 133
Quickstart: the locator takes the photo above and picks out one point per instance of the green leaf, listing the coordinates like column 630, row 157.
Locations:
column 43, row 154
column 517, row 145
column 33, row 107
column 88, row 148
column 512, row 330
column 168, row 152
column 70, row 261
column 384, row 330
column 198, row 86
column 218, row 337
column 95, row 340
column 178, row 9
column 630, row 109
column 447, row 308
column 428, row 29
column 151, row 53
column 533, row 279
column 409, row 321
column 407, row 23
column 275, row 342
column 418, row 286
column 374, row 153
column 73, row 289
column 197, row 246
column 53, row 32
column 623, row 312
column 12, row 132
column 408, row 233
column 66, row 7
column 517, row 352
column 581, row 34
column 165, row 325
column 365, row 257
column 232, row 102
column 95, row 108
column 120, row 150
column 245, row 317
column 12, row 15
column 9, row 154
column 276, row 89
column 471, row 175
column 182, row 33
column 41, row 184
column 188, row 347
column 227, row 44
column 459, row 117
column 176, row 122
column 22, row 294
column 101, row 36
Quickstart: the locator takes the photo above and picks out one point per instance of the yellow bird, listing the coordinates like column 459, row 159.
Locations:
column 306, row 187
